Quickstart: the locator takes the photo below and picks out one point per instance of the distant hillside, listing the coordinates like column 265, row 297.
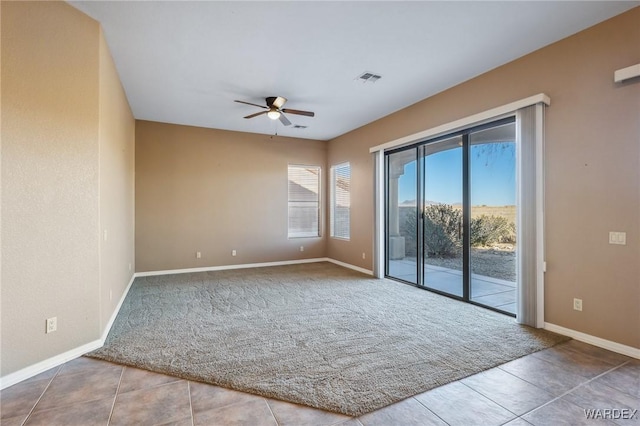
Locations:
column 509, row 212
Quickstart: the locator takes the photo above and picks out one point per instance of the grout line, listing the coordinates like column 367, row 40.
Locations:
column 113, row 404
column 41, row 395
column 271, row 411
column 190, row 404
column 427, row 408
column 574, row 388
column 485, row 396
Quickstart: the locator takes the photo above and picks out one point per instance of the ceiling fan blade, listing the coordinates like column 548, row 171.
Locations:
column 256, row 114
column 296, row 111
column 279, row 102
column 249, row 103
column 284, row 120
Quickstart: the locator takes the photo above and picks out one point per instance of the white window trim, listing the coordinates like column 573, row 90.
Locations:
column 320, row 200
column 331, row 200
column 476, row 119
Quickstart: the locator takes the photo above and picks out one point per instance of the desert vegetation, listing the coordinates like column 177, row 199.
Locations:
column 493, row 238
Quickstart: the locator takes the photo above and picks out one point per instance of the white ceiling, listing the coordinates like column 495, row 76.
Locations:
column 185, row 62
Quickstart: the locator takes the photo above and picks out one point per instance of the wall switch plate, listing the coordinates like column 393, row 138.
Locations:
column 233, row 252
column 618, row 238
column 52, row 324
column 577, row 304
column 301, row 248
column 198, row 255
column 364, row 256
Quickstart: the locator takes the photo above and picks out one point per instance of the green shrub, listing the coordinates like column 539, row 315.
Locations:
column 408, row 231
column 487, row 230
column 442, row 229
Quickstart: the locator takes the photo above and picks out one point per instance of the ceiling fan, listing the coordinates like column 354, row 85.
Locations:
column 275, row 111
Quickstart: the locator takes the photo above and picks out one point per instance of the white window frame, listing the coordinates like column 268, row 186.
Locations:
column 332, row 202
column 316, row 233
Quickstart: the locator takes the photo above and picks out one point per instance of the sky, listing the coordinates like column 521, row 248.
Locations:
column 493, row 176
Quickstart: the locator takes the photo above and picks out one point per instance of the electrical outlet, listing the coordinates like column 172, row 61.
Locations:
column 301, row 248
column 198, row 255
column 110, row 295
column 618, row 238
column 52, row 324
column 233, row 252
column 129, row 266
column 577, row 304
column 364, row 256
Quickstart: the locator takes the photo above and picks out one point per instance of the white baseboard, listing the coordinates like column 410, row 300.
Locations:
column 106, row 330
column 595, row 341
column 42, row 366
column 350, row 266
column 253, row 265
column 227, row 267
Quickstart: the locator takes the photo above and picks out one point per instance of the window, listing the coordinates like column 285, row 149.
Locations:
column 304, row 201
column 341, row 201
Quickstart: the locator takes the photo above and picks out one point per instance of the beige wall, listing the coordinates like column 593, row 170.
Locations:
column 215, row 191
column 592, row 178
column 52, row 67
column 117, row 187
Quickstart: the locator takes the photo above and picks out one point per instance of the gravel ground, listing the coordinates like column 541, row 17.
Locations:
column 496, row 262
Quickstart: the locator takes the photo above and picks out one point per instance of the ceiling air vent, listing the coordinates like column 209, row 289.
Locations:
column 298, row 126
column 368, row 77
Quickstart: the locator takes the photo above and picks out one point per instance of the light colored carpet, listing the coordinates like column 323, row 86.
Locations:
column 315, row 334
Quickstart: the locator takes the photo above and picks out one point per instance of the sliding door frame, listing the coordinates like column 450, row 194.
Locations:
column 540, row 101
column 420, row 150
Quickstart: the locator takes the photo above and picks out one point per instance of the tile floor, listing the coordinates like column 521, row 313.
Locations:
column 488, row 291
column 551, row 387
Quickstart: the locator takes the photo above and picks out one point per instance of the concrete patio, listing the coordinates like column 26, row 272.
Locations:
column 492, row 292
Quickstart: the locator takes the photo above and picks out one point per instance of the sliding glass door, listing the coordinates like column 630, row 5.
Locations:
column 492, row 180
column 450, row 215
column 442, row 215
column 401, row 215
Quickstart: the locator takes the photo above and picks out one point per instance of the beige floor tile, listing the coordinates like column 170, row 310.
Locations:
column 13, row 421
column 546, row 375
column 135, row 378
column 595, row 395
column 350, row 422
column 594, row 351
column 84, row 364
column 88, row 385
column 187, row 421
column 205, row 397
column 248, row 413
column 19, row 399
column 574, row 361
column 407, row 413
column 287, row 414
column 559, row 413
column 158, row 405
column 83, row 413
column 458, row 404
column 625, row 379
column 510, row 392
column 518, row 422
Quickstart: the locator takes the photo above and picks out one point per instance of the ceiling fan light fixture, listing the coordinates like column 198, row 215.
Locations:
column 273, row 114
